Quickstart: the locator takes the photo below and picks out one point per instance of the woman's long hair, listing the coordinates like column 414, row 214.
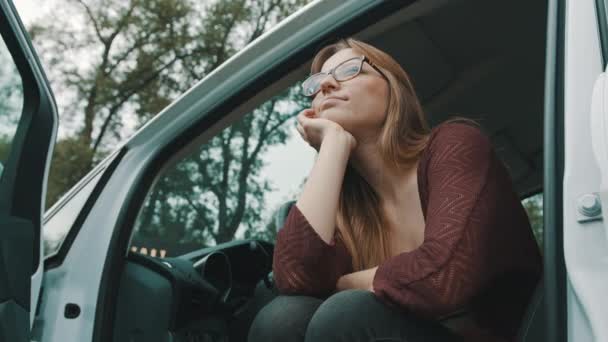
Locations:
column 404, row 135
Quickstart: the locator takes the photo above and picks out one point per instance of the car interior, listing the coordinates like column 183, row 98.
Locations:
column 478, row 59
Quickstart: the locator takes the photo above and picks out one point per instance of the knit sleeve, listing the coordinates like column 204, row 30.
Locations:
column 303, row 263
column 443, row 274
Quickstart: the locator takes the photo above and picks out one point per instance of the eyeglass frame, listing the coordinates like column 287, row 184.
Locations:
column 363, row 59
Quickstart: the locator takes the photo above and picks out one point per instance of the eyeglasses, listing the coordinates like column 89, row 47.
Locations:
column 344, row 71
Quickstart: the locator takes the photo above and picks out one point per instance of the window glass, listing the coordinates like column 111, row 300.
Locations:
column 61, row 218
column 230, row 187
column 114, row 65
column 11, row 102
column 534, row 208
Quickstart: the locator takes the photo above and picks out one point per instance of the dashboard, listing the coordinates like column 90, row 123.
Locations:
column 191, row 296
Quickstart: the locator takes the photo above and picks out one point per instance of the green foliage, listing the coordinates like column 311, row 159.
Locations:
column 11, row 101
column 208, row 195
column 114, row 64
column 534, row 208
column 66, row 168
column 5, row 149
column 121, row 62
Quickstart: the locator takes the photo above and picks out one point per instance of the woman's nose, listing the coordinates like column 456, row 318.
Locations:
column 329, row 82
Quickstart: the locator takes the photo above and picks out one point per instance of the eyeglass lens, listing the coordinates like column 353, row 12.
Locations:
column 347, row 70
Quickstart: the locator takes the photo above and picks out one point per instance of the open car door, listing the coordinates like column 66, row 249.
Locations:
column 28, row 126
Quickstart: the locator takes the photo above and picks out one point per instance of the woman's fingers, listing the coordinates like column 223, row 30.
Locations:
column 308, row 128
column 303, row 119
column 309, row 113
column 301, row 131
column 305, row 115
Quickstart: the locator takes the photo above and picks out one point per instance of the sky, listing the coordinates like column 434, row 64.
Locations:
column 287, row 165
column 29, row 10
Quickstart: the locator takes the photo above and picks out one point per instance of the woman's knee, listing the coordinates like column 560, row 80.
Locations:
column 358, row 315
column 285, row 318
column 340, row 314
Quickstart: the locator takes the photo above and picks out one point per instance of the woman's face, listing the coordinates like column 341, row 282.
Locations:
column 359, row 104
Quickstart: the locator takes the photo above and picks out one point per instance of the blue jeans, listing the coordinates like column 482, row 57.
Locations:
column 351, row 315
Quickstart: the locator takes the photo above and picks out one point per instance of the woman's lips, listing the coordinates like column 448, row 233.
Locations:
column 332, row 101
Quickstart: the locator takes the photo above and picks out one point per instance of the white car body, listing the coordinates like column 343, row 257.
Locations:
column 79, row 272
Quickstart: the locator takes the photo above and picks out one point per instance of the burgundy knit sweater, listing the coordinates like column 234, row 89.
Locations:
column 478, row 253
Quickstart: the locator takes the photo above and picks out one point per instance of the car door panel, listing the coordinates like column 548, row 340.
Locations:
column 23, row 184
column 144, row 305
column 584, row 244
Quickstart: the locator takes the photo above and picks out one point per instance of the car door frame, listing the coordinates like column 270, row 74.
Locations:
column 332, row 14
column 584, row 244
column 553, row 250
column 127, row 186
column 602, row 21
column 85, row 279
column 23, row 182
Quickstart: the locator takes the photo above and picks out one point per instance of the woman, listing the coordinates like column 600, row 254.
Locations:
column 401, row 233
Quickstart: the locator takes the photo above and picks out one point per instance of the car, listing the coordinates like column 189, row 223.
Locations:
column 531, row 72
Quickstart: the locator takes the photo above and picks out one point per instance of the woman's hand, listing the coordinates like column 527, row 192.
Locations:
column 314, row 129
column 362, row 280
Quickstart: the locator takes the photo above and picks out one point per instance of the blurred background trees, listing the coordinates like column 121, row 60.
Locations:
column 220, row 187
column 534, row 208
column 115, row 64
column 118, row 63
column 11, row 101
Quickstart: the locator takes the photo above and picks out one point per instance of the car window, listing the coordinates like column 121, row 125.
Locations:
column 534, row 207
column 11, row 102
column 60, row 218
column 230, row 187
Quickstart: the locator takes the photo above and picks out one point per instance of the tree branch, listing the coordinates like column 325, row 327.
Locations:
column 242, row 178
column 259, row 29
column 193, row 205
column 137, row 44
column 275, row 127
column 124, row 99
column 227, row 158
column 92, row 18
column 227, row 161
column 265, row 134
column 123, row 21
column 101, row 72
column 213, row 187
column 222, row 50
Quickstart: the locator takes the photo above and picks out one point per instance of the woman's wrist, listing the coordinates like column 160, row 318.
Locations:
column 338, row 135
column 363, row 280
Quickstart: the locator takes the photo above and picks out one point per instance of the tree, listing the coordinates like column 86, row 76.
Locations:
column 210, row 194
column 121, row 62
column 67, row 167
column 118, row 63
column 5, row 146
column 534, row 208
column 11, row 101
